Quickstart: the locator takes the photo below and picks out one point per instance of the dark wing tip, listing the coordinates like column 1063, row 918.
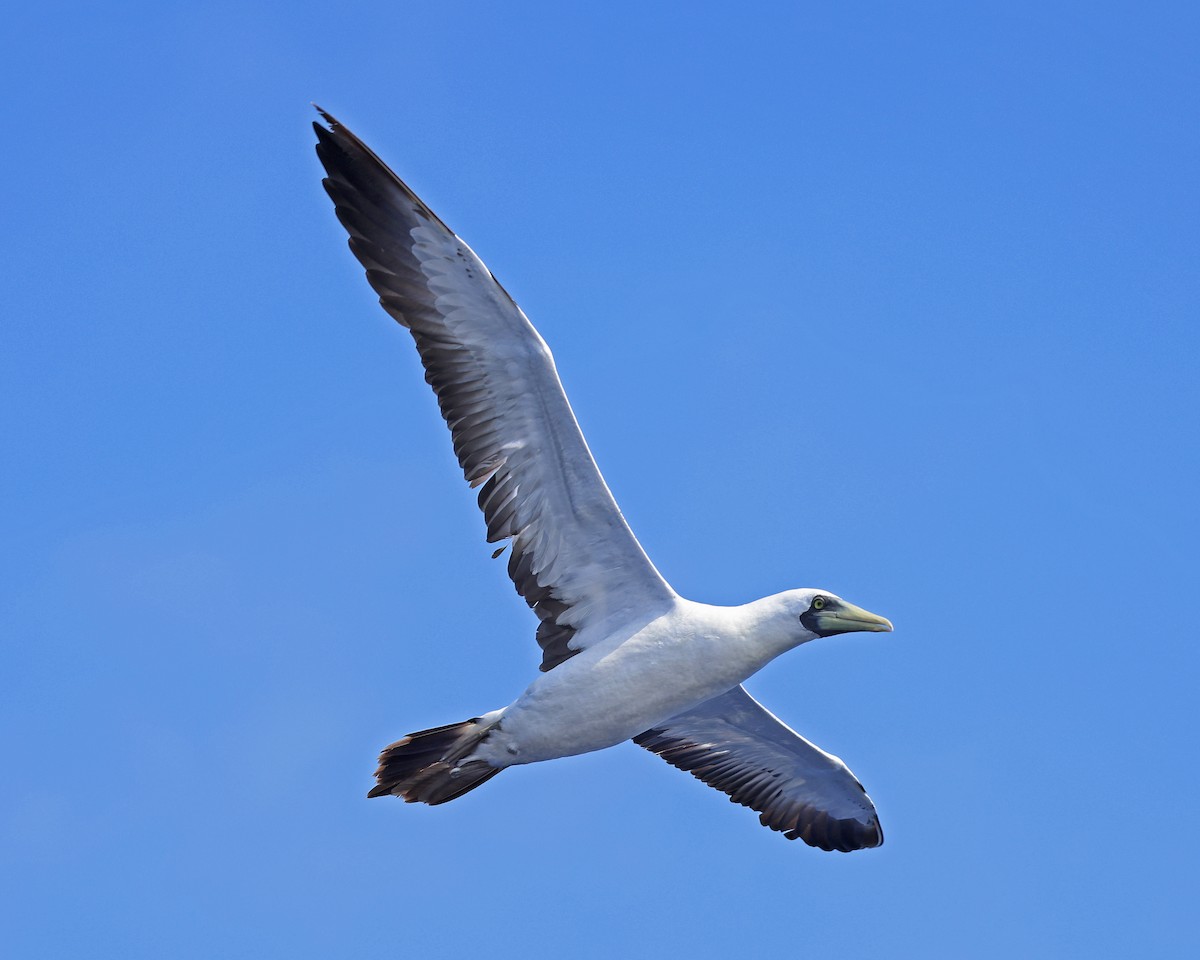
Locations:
column 819, row 829
column 330, row 125
column 346, row 157
column 842, row 836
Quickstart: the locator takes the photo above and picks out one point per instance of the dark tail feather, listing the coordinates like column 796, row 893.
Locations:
column 423, row 767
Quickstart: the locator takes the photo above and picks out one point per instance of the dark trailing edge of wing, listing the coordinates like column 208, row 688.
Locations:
column 734, row 745
column 379, row 210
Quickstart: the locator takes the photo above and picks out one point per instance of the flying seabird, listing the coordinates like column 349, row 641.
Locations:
column 623, row 655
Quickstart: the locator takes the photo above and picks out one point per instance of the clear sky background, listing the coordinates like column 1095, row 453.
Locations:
column 894, row 299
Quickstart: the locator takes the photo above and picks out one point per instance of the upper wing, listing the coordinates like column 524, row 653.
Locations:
column 573, row 557
column 733, row 743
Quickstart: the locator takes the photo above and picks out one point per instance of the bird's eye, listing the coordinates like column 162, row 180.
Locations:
column 819, row 603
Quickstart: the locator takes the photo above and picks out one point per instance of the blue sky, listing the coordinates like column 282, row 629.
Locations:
column 897, row 300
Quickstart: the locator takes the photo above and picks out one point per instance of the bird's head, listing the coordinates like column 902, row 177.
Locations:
column 824, row 614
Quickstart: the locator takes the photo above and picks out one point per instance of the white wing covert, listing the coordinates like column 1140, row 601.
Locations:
column 574, row 558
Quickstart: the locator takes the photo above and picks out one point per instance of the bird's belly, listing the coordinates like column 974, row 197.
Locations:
column 596, row 700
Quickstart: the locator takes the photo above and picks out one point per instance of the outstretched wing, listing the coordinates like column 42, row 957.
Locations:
column 733, row 743
column 574, row 558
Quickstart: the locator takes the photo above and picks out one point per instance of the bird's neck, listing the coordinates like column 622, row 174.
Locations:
column 769, row 626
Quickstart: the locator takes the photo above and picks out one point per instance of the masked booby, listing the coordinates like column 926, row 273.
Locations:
column 623, row 655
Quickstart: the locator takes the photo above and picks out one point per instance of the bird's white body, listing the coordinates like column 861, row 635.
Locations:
column 639, row 677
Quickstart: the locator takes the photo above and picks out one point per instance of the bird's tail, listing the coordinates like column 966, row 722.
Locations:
column 427, row 766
